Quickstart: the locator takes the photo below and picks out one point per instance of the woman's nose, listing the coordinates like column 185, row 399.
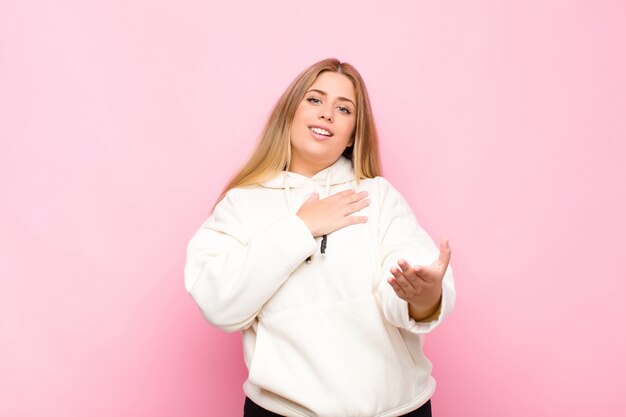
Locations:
column 326, row 115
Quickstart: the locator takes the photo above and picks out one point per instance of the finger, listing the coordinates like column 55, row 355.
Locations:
column 358, row 196
column 342, row 194
column 410, row 274
column 426, row 274
column 354, row 207
column 404, row 265
column 350, row 220
column 399, row 291
column 354, row 197
column 445, row 253
column 401, row 280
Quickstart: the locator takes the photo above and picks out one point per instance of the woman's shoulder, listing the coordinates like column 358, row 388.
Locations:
column 236, row 197
column 380, row 183
column 243, row 191
column 386, row 192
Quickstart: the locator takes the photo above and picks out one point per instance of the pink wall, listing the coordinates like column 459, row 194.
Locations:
column 503, row 123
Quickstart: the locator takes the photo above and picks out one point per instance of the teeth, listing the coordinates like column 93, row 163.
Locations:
column 320, row 131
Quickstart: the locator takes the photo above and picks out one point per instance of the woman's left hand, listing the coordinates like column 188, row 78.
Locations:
column 420, row 285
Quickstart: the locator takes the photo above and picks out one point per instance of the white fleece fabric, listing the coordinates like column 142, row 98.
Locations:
column 329, row 337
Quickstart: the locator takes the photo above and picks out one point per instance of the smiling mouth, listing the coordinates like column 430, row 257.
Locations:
column 319, row 137
column 318, row 131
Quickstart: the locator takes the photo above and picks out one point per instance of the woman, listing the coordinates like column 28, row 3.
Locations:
column 321, row 264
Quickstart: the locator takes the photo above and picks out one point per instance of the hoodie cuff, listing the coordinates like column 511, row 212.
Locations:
column 292, row 240
column 447, row 300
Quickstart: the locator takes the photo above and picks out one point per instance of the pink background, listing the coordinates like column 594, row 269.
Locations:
column 503, row 123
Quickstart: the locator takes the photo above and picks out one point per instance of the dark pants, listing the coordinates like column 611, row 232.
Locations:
column 251, row 409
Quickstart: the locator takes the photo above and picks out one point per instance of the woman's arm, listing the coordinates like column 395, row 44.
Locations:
column 230, row 273
column 403, row 239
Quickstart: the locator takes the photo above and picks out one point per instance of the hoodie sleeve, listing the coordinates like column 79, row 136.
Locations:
column 230, row 272
column 401, row 237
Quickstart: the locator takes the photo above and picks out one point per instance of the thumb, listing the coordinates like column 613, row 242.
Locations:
column 445, row 252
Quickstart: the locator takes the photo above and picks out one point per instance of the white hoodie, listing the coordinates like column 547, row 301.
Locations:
column 329, row 337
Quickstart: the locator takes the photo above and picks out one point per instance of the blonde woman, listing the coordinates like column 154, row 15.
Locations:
column 321, row 264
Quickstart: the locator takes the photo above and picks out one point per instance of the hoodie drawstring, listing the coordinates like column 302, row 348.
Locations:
column 286, row 186
column 288, row 198
column 326, row 192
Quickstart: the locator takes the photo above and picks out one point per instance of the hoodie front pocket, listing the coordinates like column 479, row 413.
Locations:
column 337, row 360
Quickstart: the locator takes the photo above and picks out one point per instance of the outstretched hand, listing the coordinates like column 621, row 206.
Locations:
column 420, row 285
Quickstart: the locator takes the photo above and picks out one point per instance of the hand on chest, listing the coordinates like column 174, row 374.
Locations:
column 349, row 268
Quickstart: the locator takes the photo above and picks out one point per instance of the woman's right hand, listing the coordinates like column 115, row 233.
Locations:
column 334, row 212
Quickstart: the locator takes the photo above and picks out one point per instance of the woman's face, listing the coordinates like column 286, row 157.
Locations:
column 323, row 124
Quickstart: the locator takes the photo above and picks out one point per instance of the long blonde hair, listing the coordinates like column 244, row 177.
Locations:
column 273, row 152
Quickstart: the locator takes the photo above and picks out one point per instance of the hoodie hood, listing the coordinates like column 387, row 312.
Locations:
column 340, row 172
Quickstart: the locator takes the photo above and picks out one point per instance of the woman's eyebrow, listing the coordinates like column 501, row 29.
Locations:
column 324, row 94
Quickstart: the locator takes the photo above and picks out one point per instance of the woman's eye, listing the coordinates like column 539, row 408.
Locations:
column 316, row 100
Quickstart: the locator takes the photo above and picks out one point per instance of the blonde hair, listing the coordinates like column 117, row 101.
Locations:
column 273, row 152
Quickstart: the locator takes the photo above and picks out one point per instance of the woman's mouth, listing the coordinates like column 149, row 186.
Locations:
column 320, row 133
